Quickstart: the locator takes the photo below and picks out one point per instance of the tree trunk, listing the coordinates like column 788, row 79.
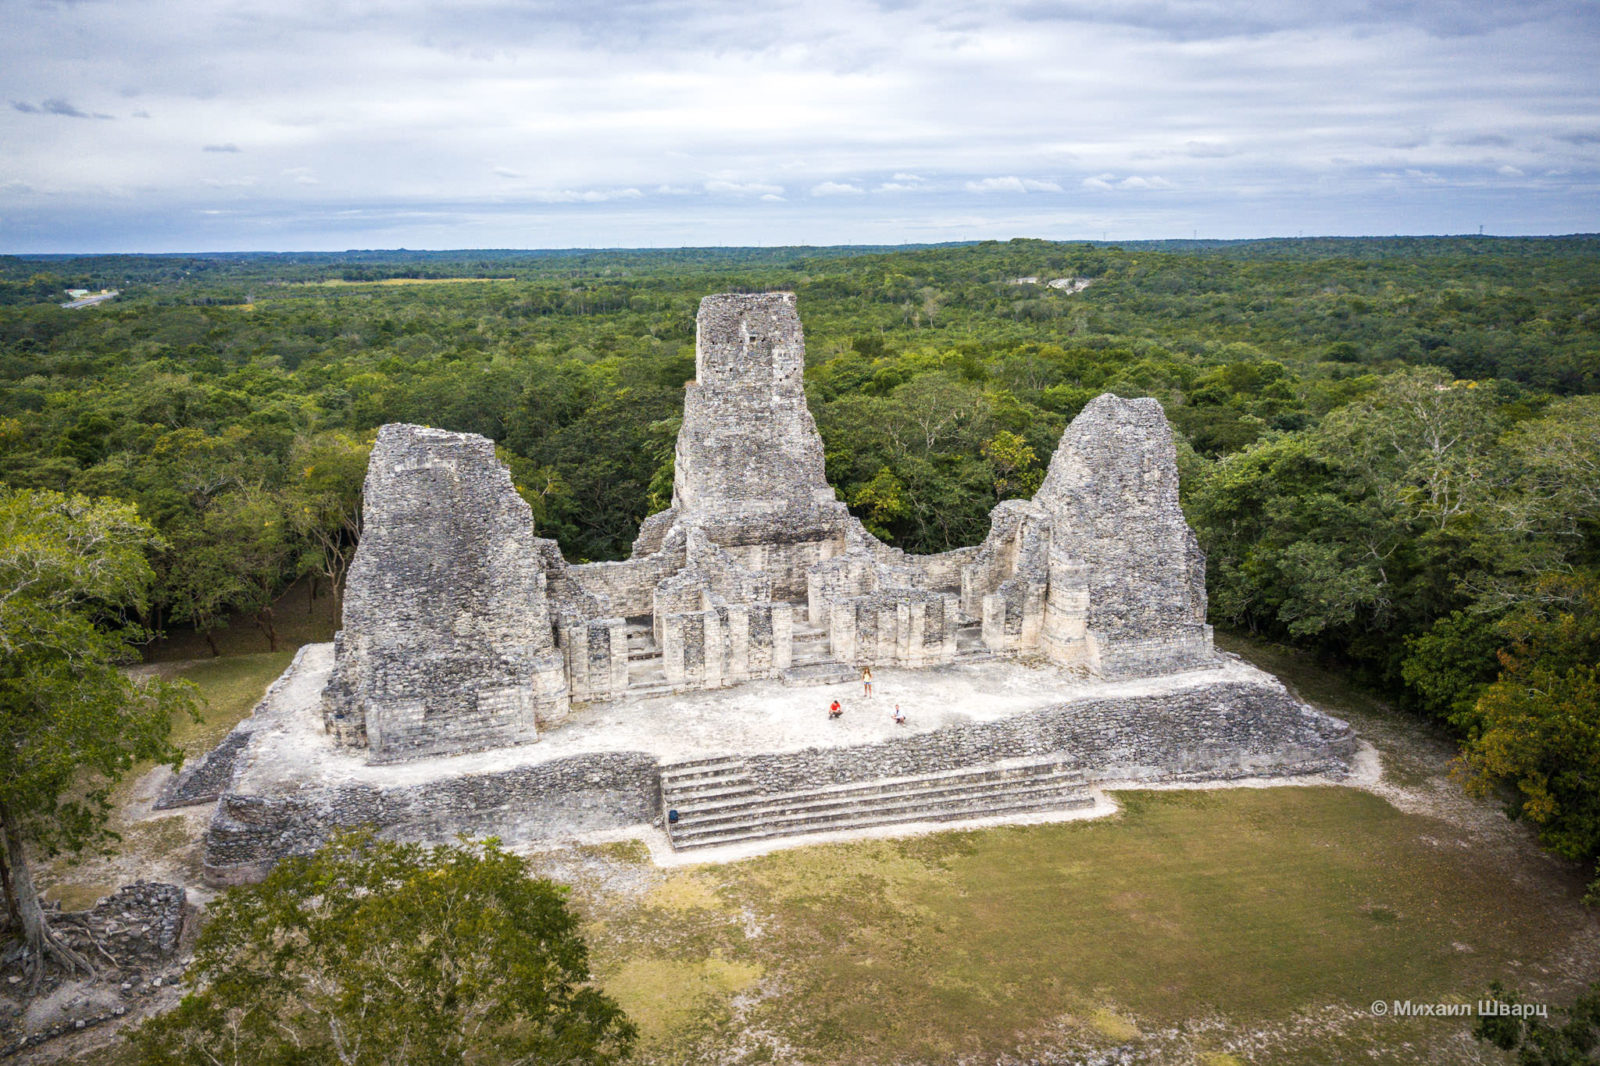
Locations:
column 13, row 916
column 211, row 639
column 41, row 942
column 264, row 622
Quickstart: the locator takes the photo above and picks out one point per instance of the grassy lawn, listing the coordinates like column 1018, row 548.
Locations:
column 1209, row 927
column 230, row 687
column 1194, row 923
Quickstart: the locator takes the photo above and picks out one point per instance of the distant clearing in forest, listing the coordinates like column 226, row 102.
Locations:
column 403, row 281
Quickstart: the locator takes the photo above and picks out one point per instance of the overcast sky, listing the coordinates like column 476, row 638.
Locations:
column 329, row 124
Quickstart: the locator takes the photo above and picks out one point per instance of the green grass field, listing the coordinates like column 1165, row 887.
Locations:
column 1193, row 923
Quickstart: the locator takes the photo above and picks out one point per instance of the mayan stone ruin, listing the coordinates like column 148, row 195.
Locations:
column 466, row 633
column 463, row 630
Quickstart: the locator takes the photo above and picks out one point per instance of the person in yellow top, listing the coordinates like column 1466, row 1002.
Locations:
column 866, row 681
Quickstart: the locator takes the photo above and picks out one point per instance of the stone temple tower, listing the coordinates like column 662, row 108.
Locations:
column 748, row 448
column 447, row 642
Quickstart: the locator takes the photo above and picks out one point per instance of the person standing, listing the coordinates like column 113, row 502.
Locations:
column 866, row 681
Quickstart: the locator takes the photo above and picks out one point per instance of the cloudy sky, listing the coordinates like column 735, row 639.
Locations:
column 329, row 124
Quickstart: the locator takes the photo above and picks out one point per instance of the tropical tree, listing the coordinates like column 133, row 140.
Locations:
column 257, row 544
column 1513, row 1026
column 324, row 502
column 73, row 722
column 370, row 953
column 1538, row 726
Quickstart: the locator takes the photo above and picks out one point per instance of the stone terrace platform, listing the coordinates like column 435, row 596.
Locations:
column 290, row 783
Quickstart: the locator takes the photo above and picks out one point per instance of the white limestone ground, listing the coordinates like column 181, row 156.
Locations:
column 291, row 750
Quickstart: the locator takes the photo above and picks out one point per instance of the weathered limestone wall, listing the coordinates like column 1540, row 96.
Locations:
column 1216, row 732
column 748, row 446
column 941, row 571
column 842, row 578
column 1013, row 613
column 447, row 643
column 1112, row 494
column 899, row 628
column 624, row 589
column 1098, row 571
column 995, row 560
column 1064, row 631
column 601, row 790
column 727, row 644
column 596, row 658
column 786, row 563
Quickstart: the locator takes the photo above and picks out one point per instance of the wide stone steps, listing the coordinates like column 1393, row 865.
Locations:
column 820, row 672
column 750, row 815
column 1043, row 773
column 693, row 769
column 898, row 816
column 721, row 805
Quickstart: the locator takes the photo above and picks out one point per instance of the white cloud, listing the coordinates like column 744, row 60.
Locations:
column 1427, row 177
column 1509, row 171
column 1250, row 116
column 1108, row 182
column 834, row 188
column 745, row 188
column 1011, row 183
column 582, row 196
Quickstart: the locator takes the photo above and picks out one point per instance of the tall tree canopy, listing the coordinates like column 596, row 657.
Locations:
column 371, row 953
column 73, row 722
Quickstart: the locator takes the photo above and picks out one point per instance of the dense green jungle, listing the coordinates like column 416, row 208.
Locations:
column 1390, row 446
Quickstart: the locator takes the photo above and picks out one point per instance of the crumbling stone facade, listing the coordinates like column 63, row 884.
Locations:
column 463, row 630
column 1099, row 570
column 447, row 642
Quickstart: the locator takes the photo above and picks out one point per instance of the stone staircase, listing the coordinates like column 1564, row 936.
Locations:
column 718, row 803
column 646, row 674
column 813, row 662
column 970, row 647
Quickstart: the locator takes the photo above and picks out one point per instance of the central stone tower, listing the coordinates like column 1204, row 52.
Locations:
column 749, row 487
column 748, row 447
